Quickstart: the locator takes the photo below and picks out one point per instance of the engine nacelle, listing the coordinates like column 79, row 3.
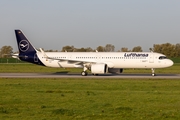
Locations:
column 115, row 70
column 99, row 68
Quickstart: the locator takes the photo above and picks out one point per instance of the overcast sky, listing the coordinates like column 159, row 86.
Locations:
column 52, row 24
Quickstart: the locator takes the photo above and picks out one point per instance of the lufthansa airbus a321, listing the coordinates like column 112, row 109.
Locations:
column 96, row 62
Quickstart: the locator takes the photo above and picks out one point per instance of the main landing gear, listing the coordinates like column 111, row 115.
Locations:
column 84, row 72
column 153, row 72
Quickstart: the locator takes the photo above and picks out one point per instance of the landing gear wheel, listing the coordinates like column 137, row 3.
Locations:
column 84, row 73
column 95, row 74
column 153, row 74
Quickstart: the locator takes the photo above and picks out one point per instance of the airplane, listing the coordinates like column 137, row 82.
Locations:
column 96, row 62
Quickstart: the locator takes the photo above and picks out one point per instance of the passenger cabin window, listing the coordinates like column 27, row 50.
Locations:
column 162, row 57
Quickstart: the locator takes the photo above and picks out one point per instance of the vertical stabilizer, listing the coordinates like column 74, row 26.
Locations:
column 26, row 50
column 24, row 45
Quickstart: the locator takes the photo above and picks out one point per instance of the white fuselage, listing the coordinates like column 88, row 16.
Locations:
column 112, row 59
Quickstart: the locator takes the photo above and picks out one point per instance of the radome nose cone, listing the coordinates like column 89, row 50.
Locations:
column 170, row 63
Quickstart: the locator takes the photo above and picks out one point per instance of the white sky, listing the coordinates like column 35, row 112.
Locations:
column 52, row 24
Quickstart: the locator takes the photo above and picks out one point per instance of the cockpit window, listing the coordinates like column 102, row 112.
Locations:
column 162, row 57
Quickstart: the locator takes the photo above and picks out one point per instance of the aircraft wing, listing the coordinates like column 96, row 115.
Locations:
column 73, row 61
column 68, row 60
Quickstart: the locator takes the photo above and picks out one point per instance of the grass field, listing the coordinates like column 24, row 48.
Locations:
column 61, row 99
column 91, row 99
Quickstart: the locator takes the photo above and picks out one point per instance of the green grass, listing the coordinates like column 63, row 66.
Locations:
column 76, row 98
column 26, row 68
column 123, row 99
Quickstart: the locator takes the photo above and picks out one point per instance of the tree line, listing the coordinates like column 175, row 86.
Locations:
column 170, row 50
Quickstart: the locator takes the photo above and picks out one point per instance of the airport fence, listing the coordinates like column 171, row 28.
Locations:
column 176, row 60
column 10, row 60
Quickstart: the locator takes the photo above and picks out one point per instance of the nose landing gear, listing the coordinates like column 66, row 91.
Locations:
column 153, row 72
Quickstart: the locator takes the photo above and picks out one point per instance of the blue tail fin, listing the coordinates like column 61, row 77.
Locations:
column 26, row 51
column 24, row 45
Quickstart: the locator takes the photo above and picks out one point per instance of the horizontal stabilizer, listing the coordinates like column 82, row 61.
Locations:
column 44, row 54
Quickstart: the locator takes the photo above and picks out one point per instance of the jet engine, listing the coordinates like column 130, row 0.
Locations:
column 99, row 68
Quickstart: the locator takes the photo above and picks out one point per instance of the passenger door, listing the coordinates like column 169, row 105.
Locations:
column 151, row 58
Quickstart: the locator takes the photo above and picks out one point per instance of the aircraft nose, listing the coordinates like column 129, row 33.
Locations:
column 169, row 63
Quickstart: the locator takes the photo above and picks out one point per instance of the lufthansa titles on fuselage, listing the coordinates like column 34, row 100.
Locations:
column 135, row 55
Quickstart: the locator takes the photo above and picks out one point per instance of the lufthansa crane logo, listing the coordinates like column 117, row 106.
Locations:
column 23, row 45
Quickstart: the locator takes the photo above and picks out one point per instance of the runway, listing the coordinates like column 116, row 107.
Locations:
column 77, row 75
